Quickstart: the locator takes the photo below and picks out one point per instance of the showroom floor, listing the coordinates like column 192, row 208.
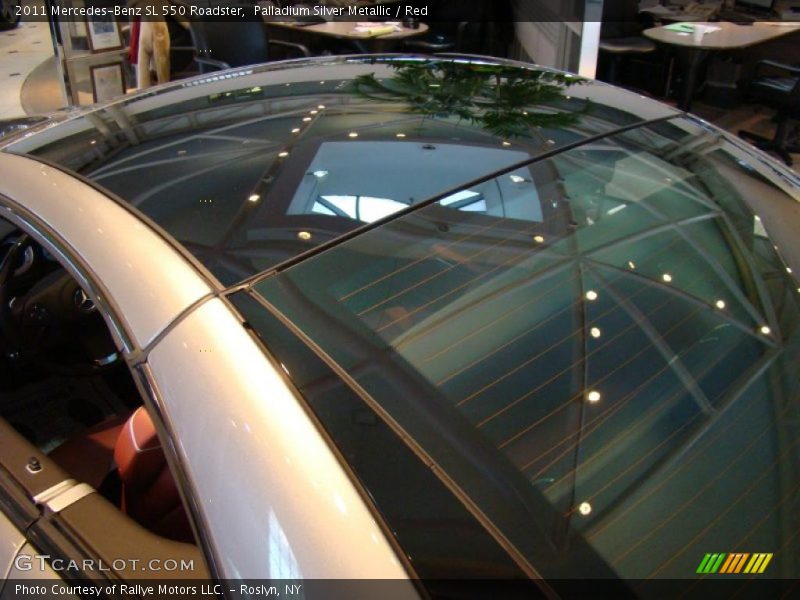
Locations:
column 21, row 51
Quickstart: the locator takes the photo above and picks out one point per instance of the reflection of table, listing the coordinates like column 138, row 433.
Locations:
column 692, row 51
column 344, row 30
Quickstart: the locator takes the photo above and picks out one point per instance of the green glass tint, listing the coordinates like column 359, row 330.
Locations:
column 608, row 375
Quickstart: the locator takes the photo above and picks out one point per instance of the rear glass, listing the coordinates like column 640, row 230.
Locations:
column 603, row 355
column 443, row 542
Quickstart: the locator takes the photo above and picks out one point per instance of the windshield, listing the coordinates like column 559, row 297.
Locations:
column 612, row 363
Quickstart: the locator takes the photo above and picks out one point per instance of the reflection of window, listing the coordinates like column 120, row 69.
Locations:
column 282, row 562
column 372, row 209
column 369, row 209
column 362, row 208
column 465, row 200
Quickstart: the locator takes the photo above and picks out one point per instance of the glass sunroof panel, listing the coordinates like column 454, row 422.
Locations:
column 557, row 368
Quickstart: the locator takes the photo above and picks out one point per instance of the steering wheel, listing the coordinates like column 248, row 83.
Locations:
column 52, row 321
column 10, row 263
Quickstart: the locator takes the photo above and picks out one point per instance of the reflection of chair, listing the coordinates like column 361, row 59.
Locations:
column 181, row 49
column 438, row 40
column 223, row 44
column 780, row 91
column 482, row 34
column 620, row 34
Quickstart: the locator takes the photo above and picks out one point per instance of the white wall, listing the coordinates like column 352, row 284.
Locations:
column 556, row 39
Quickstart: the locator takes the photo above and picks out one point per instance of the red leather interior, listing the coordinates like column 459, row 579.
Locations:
column 89, row 457
column 149, row 493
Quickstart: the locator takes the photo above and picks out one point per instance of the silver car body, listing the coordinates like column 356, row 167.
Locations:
column 307, row 498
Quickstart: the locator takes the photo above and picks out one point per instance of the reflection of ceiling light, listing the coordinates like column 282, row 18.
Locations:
column 306, row 119
column 765, row 330
column 593, row 396
column 93, row 142
column 254, row 197
column 283, row 154
column 434, row 85
column 321, row 107
column 296, row 130
column 585, row 508
column 720, row 304
column 181, row 152
column 352, row 134
column 757, row 218
column 401, row 135
column 506, row 143
column 313, row 112
column 631, row 264
column 788, row 270
column 304, row 235
column 595, row 332
column 591, row 295
column 320, row 174
column 516, row 179
column 616, row 209
column 666, row 277
column 539, row 239
column 322, row 83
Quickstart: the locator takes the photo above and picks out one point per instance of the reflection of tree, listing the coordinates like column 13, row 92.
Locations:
column 503, row 100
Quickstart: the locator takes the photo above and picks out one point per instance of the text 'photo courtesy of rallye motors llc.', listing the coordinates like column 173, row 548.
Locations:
column 155, row 590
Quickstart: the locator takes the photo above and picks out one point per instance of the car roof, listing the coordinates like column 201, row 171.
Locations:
column 250, row 168
column 637, row 202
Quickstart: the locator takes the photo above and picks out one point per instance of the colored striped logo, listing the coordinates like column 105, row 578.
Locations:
column 734, row 563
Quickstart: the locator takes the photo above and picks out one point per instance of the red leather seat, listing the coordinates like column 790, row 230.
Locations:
column 89, row 457
column 149, row 493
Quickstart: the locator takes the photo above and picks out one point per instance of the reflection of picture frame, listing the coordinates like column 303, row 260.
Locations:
column 108, row 81
column 103, row 34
